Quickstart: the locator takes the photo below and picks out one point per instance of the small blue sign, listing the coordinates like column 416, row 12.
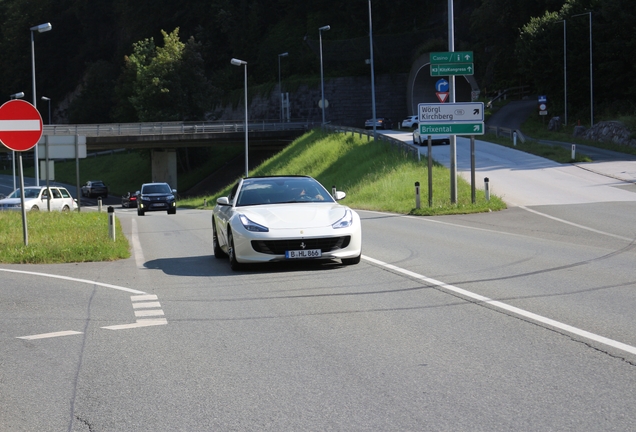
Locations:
column 441, row 85
column 543, row 99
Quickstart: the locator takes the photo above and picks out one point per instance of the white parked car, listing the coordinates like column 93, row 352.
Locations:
column 423, row 139
column 36, row 197
column 284, row 218
column 410, row 122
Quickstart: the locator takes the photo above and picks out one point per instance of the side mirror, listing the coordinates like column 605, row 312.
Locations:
column 223, row 201
column 137, row 193
column 174, row 191
column 340, row 195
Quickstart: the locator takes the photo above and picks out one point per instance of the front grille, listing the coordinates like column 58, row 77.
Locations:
column 278, row 247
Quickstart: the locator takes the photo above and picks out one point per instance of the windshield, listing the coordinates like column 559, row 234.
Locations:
column 156, row 189
column 28, row 193
column 282, row 191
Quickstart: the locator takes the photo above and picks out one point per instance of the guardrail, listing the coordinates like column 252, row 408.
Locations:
column 401, row 145
column 171, row 128
column 506, row 132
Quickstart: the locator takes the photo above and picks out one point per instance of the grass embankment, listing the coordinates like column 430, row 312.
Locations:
column 60, row 237
column 374, row 175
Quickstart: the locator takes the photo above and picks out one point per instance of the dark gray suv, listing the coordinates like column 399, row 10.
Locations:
column 156, row 197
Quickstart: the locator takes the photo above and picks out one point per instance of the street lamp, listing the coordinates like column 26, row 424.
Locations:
column 40, row 29
column 44, row 98
column 280, row 88
column 372, row 73
column 591, row 82
column 322, row 79
column 565, row 76
column 237, row 62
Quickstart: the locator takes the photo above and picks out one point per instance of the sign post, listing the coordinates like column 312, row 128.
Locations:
column 20, row 130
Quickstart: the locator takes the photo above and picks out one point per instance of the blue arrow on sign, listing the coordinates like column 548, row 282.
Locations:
column 441, row 85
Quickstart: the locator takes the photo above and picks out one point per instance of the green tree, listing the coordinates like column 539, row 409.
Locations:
column 165, row 83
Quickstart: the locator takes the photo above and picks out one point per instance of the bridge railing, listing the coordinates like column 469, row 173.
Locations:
column 168, row 128
column 401, row 145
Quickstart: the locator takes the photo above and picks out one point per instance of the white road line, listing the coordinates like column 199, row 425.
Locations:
column 130, row 290
column 575, row 224
column 50, row 335
column 512, row 309
column 136, row 246
column 146, row 305
column 147, row 313
column 139, row 323
column 144, row 297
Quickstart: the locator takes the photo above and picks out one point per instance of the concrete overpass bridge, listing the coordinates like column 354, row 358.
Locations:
column 164, row 138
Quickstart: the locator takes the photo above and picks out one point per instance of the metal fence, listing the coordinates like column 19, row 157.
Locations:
column 400, row 145
column 168, row 128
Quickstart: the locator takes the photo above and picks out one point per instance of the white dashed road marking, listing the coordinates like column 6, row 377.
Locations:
column 149, row 308
column 50, row 335
column 142, row 304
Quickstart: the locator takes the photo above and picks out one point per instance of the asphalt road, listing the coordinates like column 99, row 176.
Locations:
column 515, row 320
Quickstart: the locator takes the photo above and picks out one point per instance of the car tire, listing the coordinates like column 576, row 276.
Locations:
column 66, row 208
column 351, row 261
column 218, row 252
column 140, row 212
column 234, row 264
column 172, row 211
column 35, row 208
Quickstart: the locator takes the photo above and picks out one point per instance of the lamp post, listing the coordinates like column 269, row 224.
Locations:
column 44, row 98
column 591, row 78
column 237, row 62
column 280, row 88
column 565, row 76
column 372, row 73
column 322, row 79
column 46, row 157
column 18, row 95
column 40, row 29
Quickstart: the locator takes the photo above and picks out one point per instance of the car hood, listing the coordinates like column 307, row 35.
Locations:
column 292, row 216
column 155, row 195
column 13, row 201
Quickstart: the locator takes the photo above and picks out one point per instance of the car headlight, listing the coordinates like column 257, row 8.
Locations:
column 252, row 226
column 345, row 222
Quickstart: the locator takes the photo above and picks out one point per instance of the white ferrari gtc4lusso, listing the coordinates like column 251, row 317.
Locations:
column 284, row 218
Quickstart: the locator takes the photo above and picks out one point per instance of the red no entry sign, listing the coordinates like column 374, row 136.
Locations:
column 20, row 125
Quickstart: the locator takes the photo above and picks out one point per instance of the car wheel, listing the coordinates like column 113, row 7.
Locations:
column 66, row 208
column 234, row 264
column 35, row 208
column 172, row 211
column 218, row 252
column 140, row 212
column 351, row 261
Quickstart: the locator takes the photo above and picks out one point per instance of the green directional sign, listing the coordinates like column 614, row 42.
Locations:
column 451, row 57
column 452, row 129
column 452, row 69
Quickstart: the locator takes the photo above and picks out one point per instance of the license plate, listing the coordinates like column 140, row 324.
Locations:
column 308, row 253
column 158, row 205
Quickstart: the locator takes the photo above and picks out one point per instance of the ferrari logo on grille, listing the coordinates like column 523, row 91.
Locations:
column 303, row 245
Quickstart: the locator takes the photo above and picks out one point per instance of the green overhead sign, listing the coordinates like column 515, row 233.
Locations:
column 452, row 69
column 452, row 129
column 451, row 57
